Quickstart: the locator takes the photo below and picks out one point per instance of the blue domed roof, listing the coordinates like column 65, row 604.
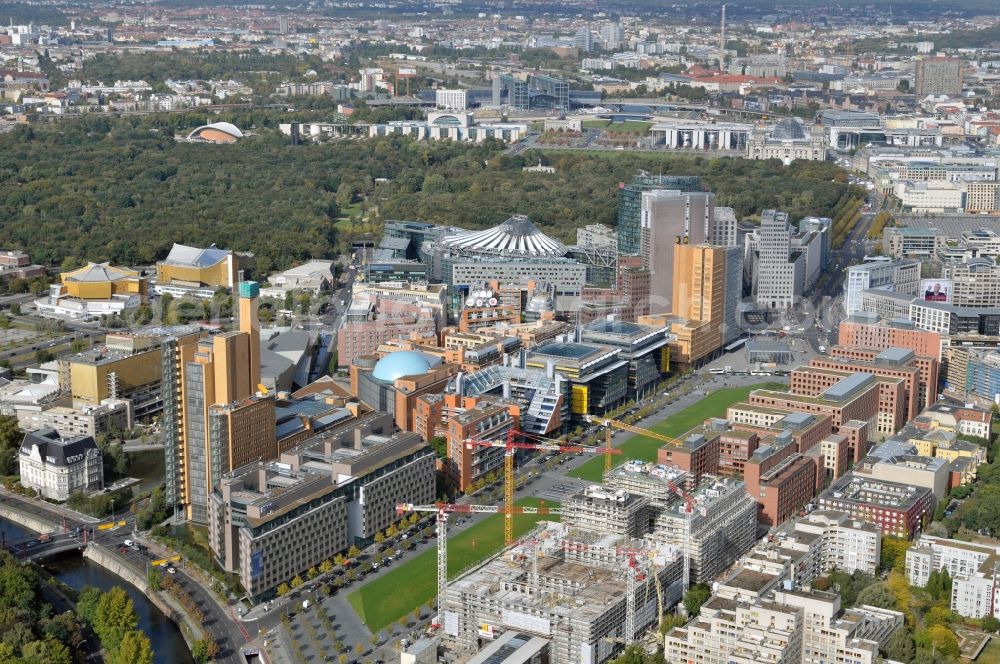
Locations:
column 403, row 363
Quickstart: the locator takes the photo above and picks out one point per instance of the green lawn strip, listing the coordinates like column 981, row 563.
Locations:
column 410, row 585
column 644, row 448
column 344, row 221
column 626, row 126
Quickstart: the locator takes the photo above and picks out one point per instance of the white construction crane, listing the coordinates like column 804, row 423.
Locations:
column 608, row 424
column 688, row 516
column 634, row 574
column 443, row 510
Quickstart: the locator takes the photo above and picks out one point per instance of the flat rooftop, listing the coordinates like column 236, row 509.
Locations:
column 652, row 472
column 796, row 421
column 848, row 387
column 567, row 350
column 852, row 488
column 750, row 580
column 589, row 588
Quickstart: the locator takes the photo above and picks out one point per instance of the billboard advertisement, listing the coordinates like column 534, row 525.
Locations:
column 935, row 290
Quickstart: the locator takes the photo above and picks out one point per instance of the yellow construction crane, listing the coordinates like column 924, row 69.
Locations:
column 510, row 447
column 689, row 503
column 616, row 424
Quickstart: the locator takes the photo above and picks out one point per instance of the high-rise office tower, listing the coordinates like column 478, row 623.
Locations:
column 699, row 297
column 612, row 34
column 778, row 279
column 249, row 296
column 706, row 289
column 630, row 204
column 670, row 217
column 938, row 76
column 699, row 283
column 584, row 40
column 219, row 422
column 734, row 294
column 724, row 231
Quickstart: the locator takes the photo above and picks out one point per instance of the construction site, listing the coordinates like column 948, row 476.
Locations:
column 583, row 589
column 715, row 523
column 587, row 594
column 623, row 554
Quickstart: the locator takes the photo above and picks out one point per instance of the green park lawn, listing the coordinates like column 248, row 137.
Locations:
column 644, row 448
column 343, row 222
column 626, row 126
column 410, row 585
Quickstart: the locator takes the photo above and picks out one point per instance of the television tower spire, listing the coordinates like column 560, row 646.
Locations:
column 722, row 41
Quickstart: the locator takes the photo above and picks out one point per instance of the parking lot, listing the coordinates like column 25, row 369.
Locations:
column 315, row 623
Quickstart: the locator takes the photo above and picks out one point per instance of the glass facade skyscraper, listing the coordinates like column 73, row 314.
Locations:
column 630, row 205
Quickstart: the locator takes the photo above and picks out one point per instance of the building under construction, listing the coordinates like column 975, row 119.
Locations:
column 722, row 520
column 587, row 594
column 607, row 511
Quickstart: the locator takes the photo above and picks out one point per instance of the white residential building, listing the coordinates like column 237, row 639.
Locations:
column 971, row 566
column 817, row 544
column 848, row 545
column 57, row 467
column 314, row 276
column 81, row 420
column 902, row 276
column 451, row 100
column 742, row 624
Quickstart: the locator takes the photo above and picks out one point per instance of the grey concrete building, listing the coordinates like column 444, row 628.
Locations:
column 938, row 76
column 630, row 205
column 599, row 510
column 975, row 283
column 569, row 588
column 271, row 521
column 722, row 526
column 778, row 276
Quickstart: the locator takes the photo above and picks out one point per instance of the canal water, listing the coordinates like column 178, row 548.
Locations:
column 74, row 571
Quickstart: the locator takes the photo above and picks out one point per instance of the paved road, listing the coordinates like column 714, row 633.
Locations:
column 224, row 629
column 218, row 619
